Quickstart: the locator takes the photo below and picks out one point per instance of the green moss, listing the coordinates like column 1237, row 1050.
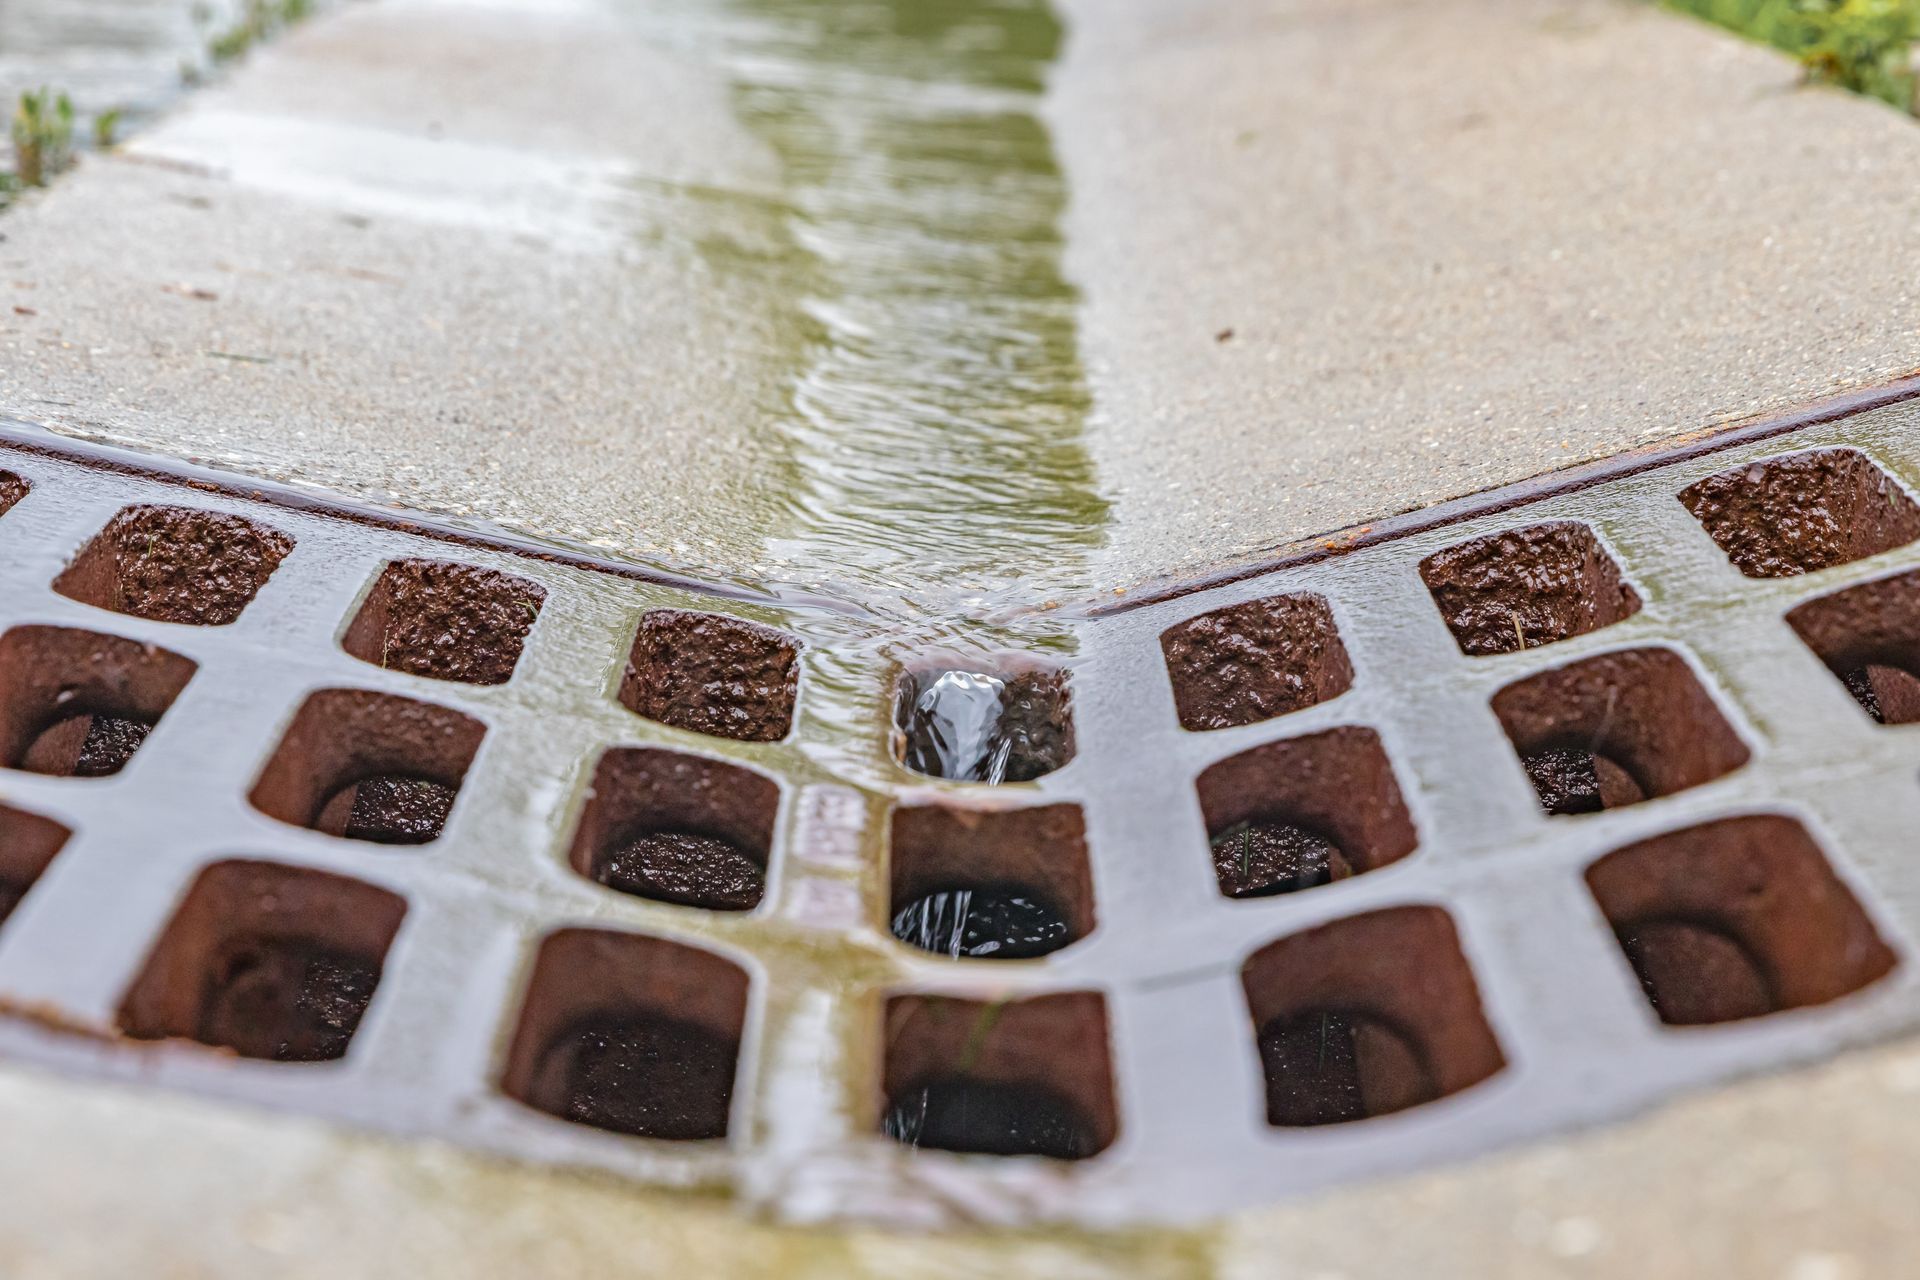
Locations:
column 1864, row 45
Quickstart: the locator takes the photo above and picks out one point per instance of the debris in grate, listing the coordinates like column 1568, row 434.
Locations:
column 446, row 621
column 677, row 828
column 1007, row 1078
column 1803, row 511
column 1869, row 636
column 12, row 489
column 1736, row 918
column 269, row 961
column 1254, row 661
column 1616, row 729
column 78, row 703
column 1365, row 1016
column 28, row 843
column 1007, row 884
column 369, row 766
column 1304, row 812
column 175, row 564
column 1527, row 587
column 628, row 1033
column 708, row 673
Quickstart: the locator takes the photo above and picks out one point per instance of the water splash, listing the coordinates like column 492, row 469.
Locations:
column 957, row 728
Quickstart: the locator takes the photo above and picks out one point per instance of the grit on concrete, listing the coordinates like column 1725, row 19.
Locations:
column 1456, row 244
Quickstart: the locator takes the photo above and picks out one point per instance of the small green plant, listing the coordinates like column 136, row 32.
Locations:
column 260, row 19
column 977, row 1035
column 42, row 136
column 106, row 128
column 1863, row 45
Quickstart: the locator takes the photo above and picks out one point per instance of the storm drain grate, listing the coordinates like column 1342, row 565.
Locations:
column 1495, row 827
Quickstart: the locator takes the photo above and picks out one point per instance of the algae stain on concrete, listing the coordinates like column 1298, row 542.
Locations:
column 933, row 417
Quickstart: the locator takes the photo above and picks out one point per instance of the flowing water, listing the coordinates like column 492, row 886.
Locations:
column 932, row 401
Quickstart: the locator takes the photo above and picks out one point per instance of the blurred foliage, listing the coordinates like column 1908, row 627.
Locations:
column 42, row 136
column 258, row 20
column 1864, row 45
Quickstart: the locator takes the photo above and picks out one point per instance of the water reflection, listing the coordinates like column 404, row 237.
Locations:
column 933, row 418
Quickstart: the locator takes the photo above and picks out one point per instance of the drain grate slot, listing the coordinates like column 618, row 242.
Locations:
column 1004, row 721
column 1005, row 1078
column 1304, row 812
column 28, row 842
column 678, row 828
column 1370, row 1015
column 981, row 884
column 1523, row 588
column 445, row 621
column 714, row 675
column 268, row 961
column 1869, row 636
column 1616, row 730
column 369, row 766
column 1806, row 511
column 1736, row 919
column 175, row 564
column 79, row 703
column 630, row 1034
column 1254, row 661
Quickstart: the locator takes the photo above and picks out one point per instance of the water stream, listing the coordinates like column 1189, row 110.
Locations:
column 933, row 403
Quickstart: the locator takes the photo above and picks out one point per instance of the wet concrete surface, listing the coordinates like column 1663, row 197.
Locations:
column 787, row 339
column 1453, row 244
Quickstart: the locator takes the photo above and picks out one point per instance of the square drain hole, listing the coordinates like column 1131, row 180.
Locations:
column 1007, row 884
column 1000, row 1077
column 269, row 961
column 445, row 621
column 369, row 766
column 711, row 674
column 1366, row 1016
column 12, row 489
column 1304, row 812
column 1254, row 661
column 175, row 564
column 1616, row 729
column 631, row 1034
column 1805, row 511
column 78, row 703
column 28, row 843
column 1869, row 636
column 678, row 828
column 1735, row 919
column 1527, row 587
column 1004, row 721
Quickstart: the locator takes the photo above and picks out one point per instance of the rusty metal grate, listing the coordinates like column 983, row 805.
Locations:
column 1489, row 829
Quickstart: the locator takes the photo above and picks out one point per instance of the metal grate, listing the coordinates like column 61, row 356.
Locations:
column 1370, row 921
